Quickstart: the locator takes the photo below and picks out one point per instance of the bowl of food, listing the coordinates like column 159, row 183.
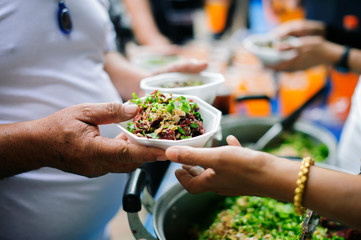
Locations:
column 166, row 120
column 267, row 48
column 203, row 85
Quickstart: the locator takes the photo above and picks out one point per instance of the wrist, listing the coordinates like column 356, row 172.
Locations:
column 342, row 64
column 332, row 53
column 280, row 178
column 18, row 148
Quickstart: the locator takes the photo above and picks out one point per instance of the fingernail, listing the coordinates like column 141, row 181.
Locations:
column 130, row 109
column 173, row 154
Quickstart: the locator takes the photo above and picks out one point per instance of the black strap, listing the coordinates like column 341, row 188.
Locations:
column 342, row 64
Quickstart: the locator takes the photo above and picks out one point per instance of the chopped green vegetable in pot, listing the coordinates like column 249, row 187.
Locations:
column 258, row 218
column 297, row 144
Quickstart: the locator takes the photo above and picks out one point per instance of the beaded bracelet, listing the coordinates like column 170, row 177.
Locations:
column 301, row 182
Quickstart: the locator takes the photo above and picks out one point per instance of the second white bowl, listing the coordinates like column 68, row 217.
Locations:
column 207, row 91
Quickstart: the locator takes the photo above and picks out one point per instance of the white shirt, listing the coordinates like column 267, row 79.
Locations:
column 349, row 150
column 42, row 71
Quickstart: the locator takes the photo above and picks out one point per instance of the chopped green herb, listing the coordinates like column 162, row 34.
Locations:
column 181, row 130
column 152, row 135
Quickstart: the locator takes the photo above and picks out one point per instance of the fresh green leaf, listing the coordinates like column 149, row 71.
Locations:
column 131, row 127
column 181, row 130
column 170, row 107
column 153, row 135
column 186, row 137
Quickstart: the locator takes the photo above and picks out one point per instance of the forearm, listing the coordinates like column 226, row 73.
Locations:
column 332, row 194
column 278, row 178
column 125, row 77
column 18, row 146
column 354, row 60
column 333, row 52
column 143, row 23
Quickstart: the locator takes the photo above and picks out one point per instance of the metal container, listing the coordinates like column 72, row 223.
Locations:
column 177, row 211
column 249, row 130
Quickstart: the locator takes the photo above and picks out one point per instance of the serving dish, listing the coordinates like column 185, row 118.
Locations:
column 211, row 123
column 266, row 48
column 206, row 91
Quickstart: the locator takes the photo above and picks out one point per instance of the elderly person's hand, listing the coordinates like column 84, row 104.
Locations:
column 312, row 51
column 70, row 141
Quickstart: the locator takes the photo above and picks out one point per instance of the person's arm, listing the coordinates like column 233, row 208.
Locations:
column 300, row 28
column 126, row 77
column 233, row 170
column 70, row 140
column 314, row 50
column 143, row 24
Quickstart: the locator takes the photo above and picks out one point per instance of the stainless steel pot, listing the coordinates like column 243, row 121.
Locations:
column 177, row 211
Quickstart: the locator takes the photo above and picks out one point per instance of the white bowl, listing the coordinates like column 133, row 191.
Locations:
column 206, row 91
column 211, row 123
column 268, row 55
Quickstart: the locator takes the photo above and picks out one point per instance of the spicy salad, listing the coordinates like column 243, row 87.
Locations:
column 164, row 117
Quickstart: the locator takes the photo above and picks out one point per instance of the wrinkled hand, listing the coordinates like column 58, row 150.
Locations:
column 71, row 141
column 227, row 170
column 300, row 28
column 311, row 51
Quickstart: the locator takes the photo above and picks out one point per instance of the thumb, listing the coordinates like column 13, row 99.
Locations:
column 105, row 113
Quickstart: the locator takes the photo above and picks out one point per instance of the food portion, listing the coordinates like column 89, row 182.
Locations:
column 259, row 218
column 299, row 145
column 273, row 44
column 179, row 84
column 163, row 117
column 161, row 60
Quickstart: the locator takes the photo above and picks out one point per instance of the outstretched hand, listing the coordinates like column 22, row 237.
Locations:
column 70, row 141
column 312, row 51
column 227, row 170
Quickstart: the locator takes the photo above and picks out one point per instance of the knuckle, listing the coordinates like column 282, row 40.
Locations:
column 112, row 109
column 87, row 111
column 124, row 154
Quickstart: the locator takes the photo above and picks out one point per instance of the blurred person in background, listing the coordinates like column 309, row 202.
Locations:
column 56, row 55
column 162, row 22
column 333, row 37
